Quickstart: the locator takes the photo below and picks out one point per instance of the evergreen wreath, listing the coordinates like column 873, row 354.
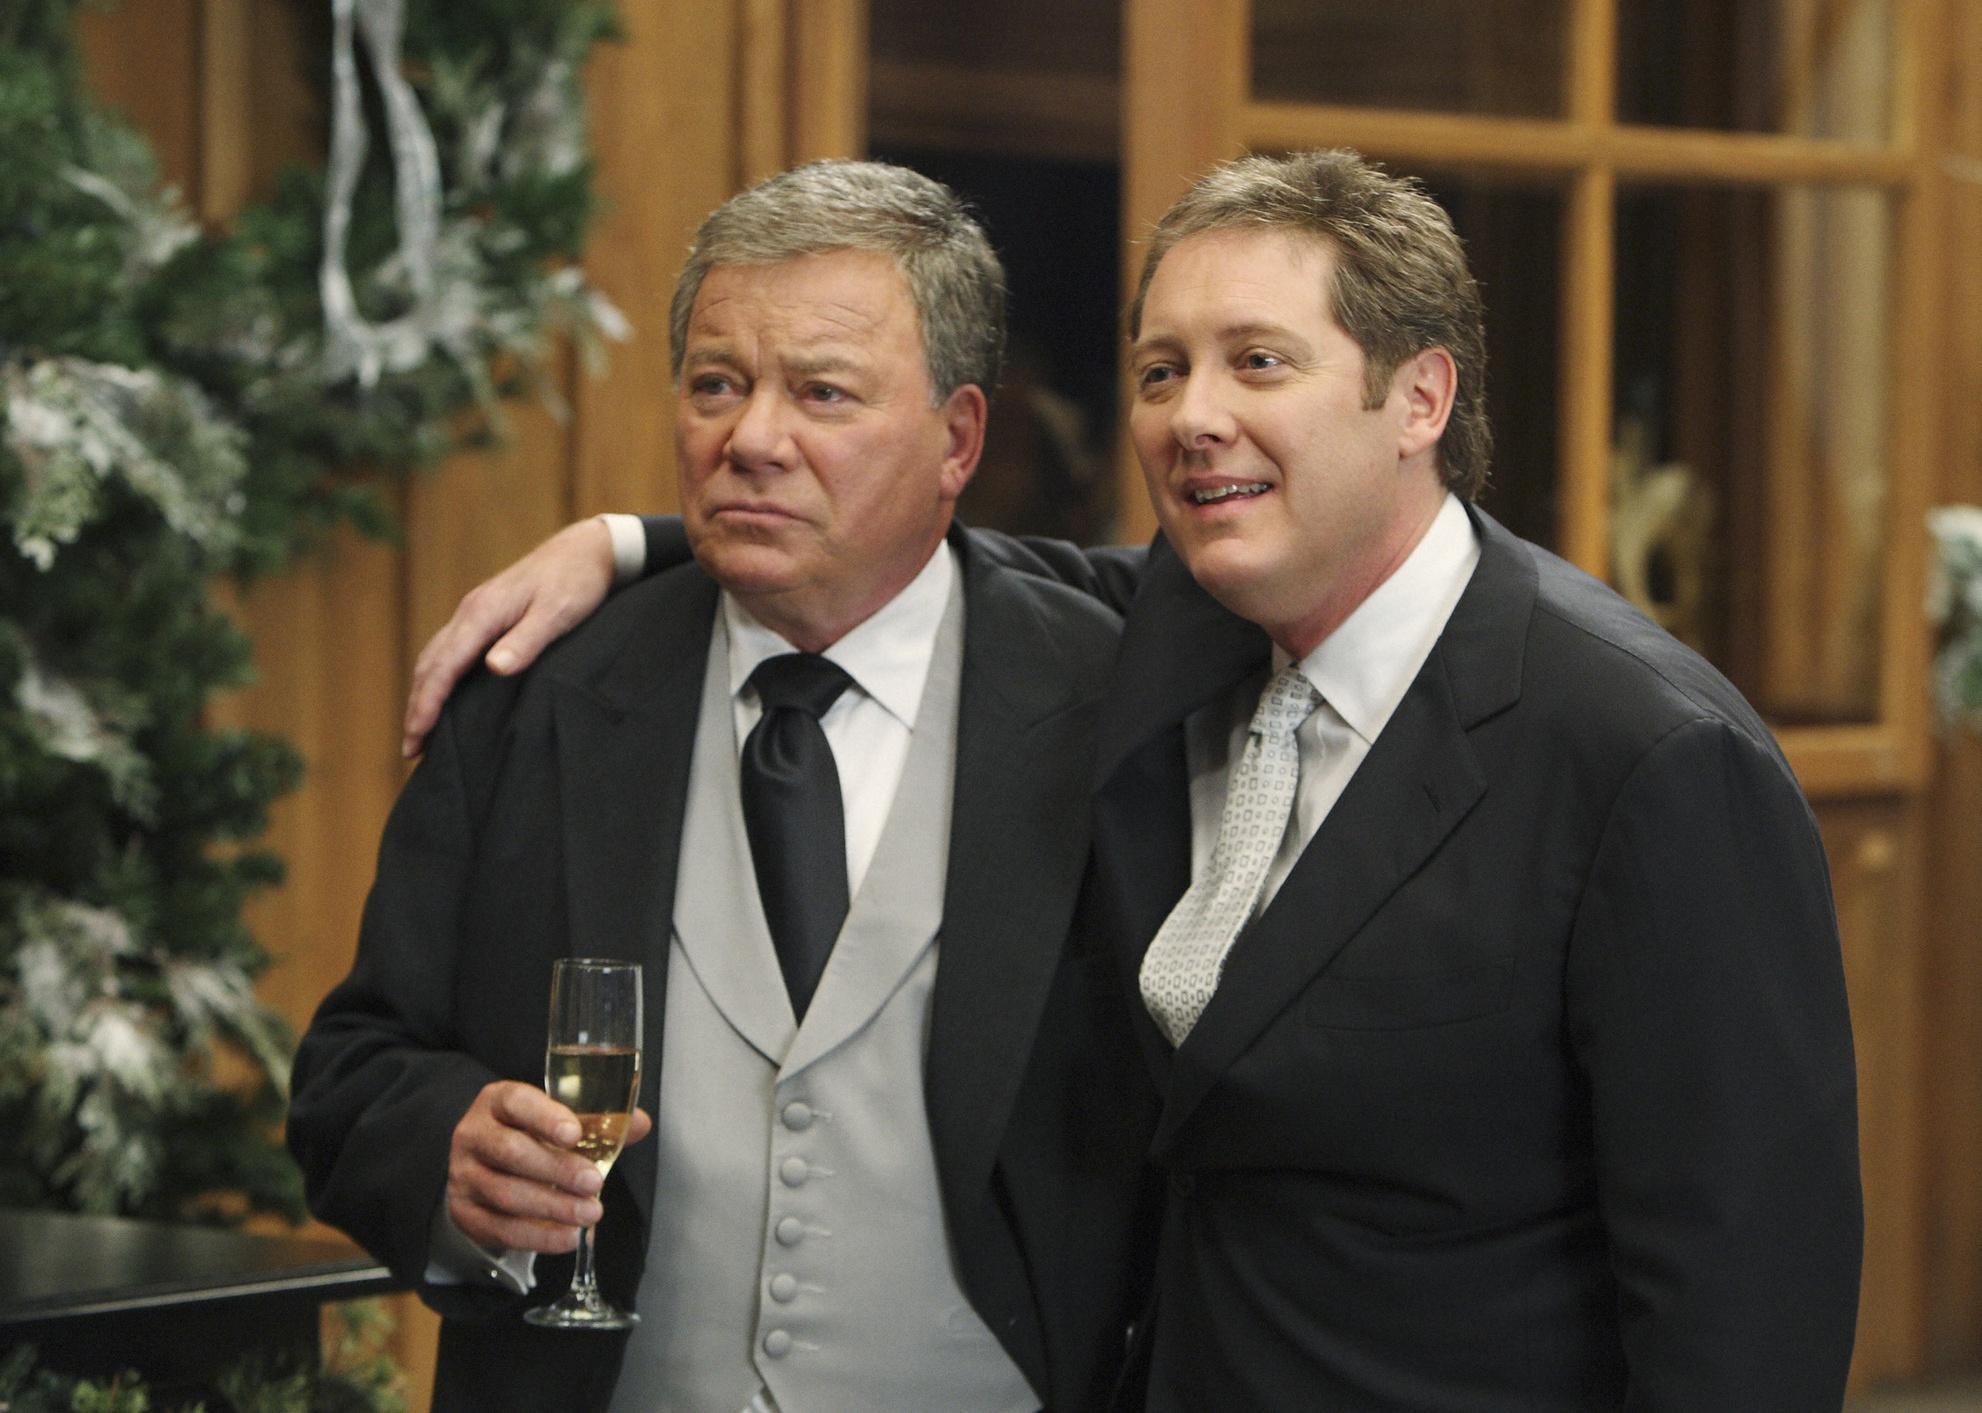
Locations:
column 175, row 407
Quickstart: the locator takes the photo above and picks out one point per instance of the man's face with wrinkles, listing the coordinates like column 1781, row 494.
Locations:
column 816, row 477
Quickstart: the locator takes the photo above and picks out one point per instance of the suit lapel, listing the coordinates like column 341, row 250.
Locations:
column 1180, row 650
column 1018, row 848
column 625, row 736
column 897, row 914
column 1418, row 782
column 717, row 917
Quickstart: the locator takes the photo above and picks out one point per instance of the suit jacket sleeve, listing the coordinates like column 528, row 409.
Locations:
column 1707, row 1008
column 1110, row 573
column 380, row 1079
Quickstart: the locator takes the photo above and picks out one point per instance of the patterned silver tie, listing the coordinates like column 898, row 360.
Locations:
column 1181, row 968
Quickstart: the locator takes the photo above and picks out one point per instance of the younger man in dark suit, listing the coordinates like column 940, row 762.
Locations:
column 1512, row 1069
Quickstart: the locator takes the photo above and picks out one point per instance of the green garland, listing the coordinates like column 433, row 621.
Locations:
column 169, row 416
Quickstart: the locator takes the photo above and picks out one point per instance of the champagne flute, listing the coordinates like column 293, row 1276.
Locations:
column 592, row 1067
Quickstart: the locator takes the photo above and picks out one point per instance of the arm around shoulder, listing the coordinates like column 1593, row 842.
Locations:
column 1110, row 573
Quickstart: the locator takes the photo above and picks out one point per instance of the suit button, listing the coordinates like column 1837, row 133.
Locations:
column 798, row 1116
column 1183, row 1185
column 784, row 1286
column 792, row 1172
column 777, row 1344
column 790, row 1231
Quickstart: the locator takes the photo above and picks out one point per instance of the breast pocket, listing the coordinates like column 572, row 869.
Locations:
column 1349, row 1002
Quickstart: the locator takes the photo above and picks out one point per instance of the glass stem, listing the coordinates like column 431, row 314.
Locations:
column 583, row 1289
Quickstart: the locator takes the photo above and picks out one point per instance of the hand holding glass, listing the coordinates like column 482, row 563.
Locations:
column 592, row 1067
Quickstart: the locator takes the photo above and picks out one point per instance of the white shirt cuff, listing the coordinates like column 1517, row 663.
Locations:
column 452, row 1259
column 629, row 547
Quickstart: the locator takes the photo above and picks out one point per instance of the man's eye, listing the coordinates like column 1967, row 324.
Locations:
column 824, row 392
column 1156, row 375
column 1257, row 360
column 710, row 385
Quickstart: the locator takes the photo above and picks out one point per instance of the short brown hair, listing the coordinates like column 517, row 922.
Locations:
column 1401, row 284
column 954, row 278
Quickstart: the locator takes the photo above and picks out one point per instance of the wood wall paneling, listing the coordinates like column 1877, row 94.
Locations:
column 1183, row 68
column 226, row 98
column 1589, row 242
column 663, row 110
column 480, row 510
column 1951, row 1029
column 143, row 60
column 1876, row 859
column 1921, row 401
column 827, row 44
column 763, row 117
column 1950, row 1039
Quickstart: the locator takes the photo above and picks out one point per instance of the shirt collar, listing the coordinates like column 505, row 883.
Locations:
column 1367, row 664
column 887, row 654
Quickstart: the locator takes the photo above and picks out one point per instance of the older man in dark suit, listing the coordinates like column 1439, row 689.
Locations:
column 827, row 784
column 1480, row 939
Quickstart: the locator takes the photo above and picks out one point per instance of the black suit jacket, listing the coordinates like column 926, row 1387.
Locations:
column 545, row 821
column 1532, row 1088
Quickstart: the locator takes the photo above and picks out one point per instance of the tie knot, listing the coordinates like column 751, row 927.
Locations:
column 1289, row 699
column 807, row 681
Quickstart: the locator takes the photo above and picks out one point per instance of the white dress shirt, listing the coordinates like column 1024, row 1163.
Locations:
column 888, row 659
column 1362, row 671
column 887, row 656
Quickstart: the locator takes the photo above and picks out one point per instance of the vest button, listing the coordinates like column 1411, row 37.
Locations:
column 798, row 1116
column 777, row 1344
column 790, row 1231
column 792, row 1172
column 784, row 1286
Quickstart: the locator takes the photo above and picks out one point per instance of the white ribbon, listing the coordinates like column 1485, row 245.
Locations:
column 353, row 344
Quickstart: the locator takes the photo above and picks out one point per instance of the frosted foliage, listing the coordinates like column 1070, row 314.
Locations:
column 64, row 722
column 101, row 1053
column 1954, row 603
column 76, row 426
column 211, row 998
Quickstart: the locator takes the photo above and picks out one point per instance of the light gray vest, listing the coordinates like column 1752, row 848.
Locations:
column 797, row 1243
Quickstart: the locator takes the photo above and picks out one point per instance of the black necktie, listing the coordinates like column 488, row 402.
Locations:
column 793, row 815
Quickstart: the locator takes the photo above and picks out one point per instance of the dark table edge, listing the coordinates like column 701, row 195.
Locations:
column 334, row 1282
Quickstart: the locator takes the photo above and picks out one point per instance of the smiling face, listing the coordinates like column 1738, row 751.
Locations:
column 816, row 476
column 1288, row 498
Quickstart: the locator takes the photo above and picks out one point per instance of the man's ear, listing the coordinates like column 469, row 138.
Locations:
column 1428, row 381
column 964, row 411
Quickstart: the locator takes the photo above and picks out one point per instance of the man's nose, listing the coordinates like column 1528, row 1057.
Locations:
column 760, row 440
column 1201, row 418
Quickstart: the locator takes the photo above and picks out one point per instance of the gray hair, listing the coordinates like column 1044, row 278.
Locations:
column 953, row 275
column 1401, row 284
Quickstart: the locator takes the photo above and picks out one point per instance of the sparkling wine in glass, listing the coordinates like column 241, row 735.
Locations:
column 592, row 1067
